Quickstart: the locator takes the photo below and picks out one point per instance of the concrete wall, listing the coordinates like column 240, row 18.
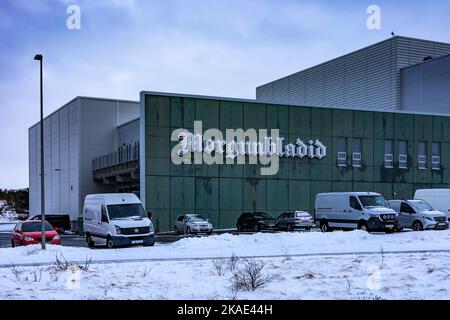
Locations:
column 128, row 133
column 368, row 78
column 222, row 192
column 74, row 135
column 61, row 156
column 425, row 87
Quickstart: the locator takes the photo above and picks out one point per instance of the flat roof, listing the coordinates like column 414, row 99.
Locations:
column 181, row 95
column 79, row 98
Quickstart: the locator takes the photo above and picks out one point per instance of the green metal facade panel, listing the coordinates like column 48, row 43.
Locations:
column 222, row 192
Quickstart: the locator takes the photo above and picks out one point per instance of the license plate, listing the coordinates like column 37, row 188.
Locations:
column 441, row 224
column 389, row 226
column 137, row 241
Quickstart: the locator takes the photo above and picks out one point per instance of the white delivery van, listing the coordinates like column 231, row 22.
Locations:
column 116, row 220
column 438, row 198
column 367, row 211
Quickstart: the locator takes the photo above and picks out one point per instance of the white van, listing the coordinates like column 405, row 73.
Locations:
column 116, row 220
column 367, row 211
column 438, row 198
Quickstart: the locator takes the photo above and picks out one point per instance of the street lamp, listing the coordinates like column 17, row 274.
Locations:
column 40, row 58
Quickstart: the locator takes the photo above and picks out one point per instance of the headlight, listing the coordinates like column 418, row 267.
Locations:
column 151, row 227
column 28, row 239
column 57, row 237
column 118, row 230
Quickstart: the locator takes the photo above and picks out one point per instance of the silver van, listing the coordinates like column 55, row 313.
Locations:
column 418, row 215
column 367, row 211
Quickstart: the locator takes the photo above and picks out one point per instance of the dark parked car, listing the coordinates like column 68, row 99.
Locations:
column 255, row 221
column 61, row 222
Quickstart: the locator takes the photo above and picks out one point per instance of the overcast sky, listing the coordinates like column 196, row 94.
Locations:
column 223, row 48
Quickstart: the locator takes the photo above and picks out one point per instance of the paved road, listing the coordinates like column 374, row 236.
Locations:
column 77, row 241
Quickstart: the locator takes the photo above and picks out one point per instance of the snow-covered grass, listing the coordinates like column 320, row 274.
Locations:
column 392, row 276
column 354, row 276
column 260, row 244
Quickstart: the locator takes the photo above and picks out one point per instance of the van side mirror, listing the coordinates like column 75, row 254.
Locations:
column 104, row 218
column 150, row 215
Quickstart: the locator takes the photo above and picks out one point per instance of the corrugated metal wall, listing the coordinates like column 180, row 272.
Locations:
column 365, row 79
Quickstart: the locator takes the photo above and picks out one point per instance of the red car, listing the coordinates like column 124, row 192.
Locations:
column 29, row 232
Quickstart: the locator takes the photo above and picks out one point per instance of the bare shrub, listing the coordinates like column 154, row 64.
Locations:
column 146, row 272
column 61, row 264
column 219, row 266
column 17, row 272
column 37, row 274
column 232, row 263
column 249, row 275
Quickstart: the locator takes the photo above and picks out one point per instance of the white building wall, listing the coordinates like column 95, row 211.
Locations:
column 61, row 136
column 74, row 135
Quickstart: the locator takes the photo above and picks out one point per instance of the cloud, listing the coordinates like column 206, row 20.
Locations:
column 223, row 48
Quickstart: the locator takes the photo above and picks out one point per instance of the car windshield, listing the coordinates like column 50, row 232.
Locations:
column 261, row 216
column 36, row 227
column 126, row 211
column 302, row 214
column 373, row 201
column 422, row 205
column 195, row 218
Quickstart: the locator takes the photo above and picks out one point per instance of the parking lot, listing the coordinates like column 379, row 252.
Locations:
column 72, row 240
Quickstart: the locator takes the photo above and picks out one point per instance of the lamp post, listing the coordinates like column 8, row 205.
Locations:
column 40, row 58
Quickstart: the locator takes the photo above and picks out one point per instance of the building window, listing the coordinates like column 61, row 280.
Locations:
column 342, row 152
column 436, row 156
column 403, row 154
column 422, row 159
column 388, row 154
column 356, row 152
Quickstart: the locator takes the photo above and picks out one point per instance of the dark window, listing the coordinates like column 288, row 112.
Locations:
column 180, row 218
column 436, row 156
column 403, row 154
column 356, row 152
column 341, row 152
column 124, row 211
column 354, row 203
column 35, row 227
column 388, row 154
column 422, row 159
column 406, row 208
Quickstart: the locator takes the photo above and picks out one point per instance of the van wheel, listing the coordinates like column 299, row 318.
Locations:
column 188, row 230
column 289, row 227
column 175, row 229
column 109, row 242
column 417, row 226
column 12, row 244
column 363, row 226
column 324, row 226
column 89, row 241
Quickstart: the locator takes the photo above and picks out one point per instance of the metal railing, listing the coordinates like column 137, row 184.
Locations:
column 125, row 154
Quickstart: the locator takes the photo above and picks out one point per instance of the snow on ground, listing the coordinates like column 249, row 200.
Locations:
column 260, row 244
column 389, row 276
column 356, row 276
